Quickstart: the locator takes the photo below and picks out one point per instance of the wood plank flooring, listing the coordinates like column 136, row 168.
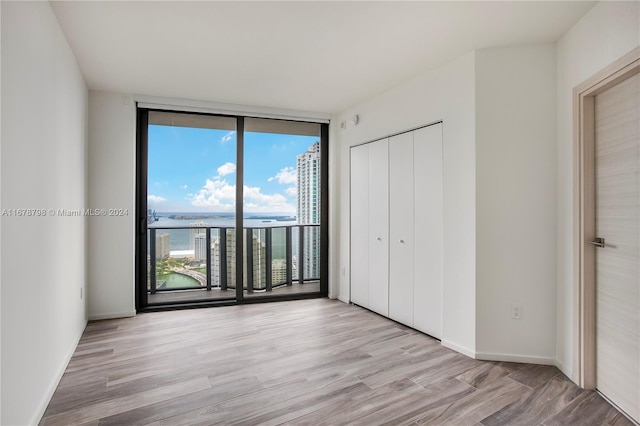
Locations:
column 308, row 362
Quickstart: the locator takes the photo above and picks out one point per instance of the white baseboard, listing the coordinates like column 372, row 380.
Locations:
column 42, row 406
column 112, row 315
column 527, row 359
column 458, row 348
column 565, row 370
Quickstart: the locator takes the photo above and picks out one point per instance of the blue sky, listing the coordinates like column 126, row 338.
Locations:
column 193, row 170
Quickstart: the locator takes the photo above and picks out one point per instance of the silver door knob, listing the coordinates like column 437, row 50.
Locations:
column 598, row 242
column 379, row 239
column 402, row 241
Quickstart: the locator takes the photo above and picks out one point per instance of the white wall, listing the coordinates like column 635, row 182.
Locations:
column 516, row 203
column 604, row 34
column 446, row 94
column 112, row 146
column 44, row 138
column 0, row 216
column 112, row 172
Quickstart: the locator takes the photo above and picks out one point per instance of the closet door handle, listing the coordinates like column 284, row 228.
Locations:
column 379, row 239
column 401, row 241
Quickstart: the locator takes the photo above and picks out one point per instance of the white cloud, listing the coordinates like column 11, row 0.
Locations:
column 256, row 201
column 226, row 169
column 184, row 186
column 219, row 195
column 216, row 193
column 253, row 193
column 292, row 191
column 228, row 137
column 155, row 199
column 286, row 176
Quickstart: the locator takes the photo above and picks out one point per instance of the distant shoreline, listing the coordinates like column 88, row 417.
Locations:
column 193, row 216
column 281, row 218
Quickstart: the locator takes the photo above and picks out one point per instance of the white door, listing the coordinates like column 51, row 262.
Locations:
column 617, row 263
column 379, row 226
column 401, row 231
column 427, row 170
column 360, row 225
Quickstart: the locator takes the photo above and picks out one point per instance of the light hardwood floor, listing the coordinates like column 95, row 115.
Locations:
column 308, row 362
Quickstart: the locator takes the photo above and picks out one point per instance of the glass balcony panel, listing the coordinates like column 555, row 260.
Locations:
column 295, row 244
column 278, row 256
column 311, row 253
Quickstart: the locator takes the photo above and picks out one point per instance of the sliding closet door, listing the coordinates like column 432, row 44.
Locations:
column 396, row 228
column 401, row 230
column 379, row 227
column 427, row 306
column 360, row 225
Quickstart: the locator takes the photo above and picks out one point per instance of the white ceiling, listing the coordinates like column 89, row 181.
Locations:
column 319, row 56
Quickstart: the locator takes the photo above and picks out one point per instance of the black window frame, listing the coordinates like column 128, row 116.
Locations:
column 142, row 134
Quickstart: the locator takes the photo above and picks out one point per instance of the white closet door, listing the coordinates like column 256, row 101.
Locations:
column 379, row 227
column 401, row 228
column 427, row 170
column 360, row 225
column 618, row 263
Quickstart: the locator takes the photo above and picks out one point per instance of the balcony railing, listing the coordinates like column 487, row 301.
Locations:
column 211, row 258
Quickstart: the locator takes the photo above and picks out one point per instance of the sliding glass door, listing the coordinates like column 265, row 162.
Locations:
column 282, row 207
column 196, row 244
column 190, row 207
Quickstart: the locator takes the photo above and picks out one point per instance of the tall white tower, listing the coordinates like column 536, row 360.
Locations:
column 308, row 208
column 163, row 246
column 200, row 246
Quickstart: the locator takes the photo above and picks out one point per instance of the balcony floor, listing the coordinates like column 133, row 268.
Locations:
column 178, row 296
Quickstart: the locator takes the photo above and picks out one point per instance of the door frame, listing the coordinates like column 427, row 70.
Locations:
column 584, row 291
column 140, row 278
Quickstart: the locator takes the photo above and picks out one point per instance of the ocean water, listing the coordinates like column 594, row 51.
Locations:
column 180, row 239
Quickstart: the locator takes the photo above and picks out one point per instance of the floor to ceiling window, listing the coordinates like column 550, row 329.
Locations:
column 196, row 244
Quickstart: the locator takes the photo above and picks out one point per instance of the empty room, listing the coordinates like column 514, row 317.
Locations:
column 319, row 212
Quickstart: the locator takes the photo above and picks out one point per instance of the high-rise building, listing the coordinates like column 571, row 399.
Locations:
column 308, row 179
column 259, row 260
column 194, row 232
column 215, row 260
column 278, row 266
column 278, row 271
column 200, row 246
column 163, row 246
column 231, row 257
column 308, row 208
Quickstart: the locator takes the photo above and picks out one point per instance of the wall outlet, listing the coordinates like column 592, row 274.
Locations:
column 516, row 311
